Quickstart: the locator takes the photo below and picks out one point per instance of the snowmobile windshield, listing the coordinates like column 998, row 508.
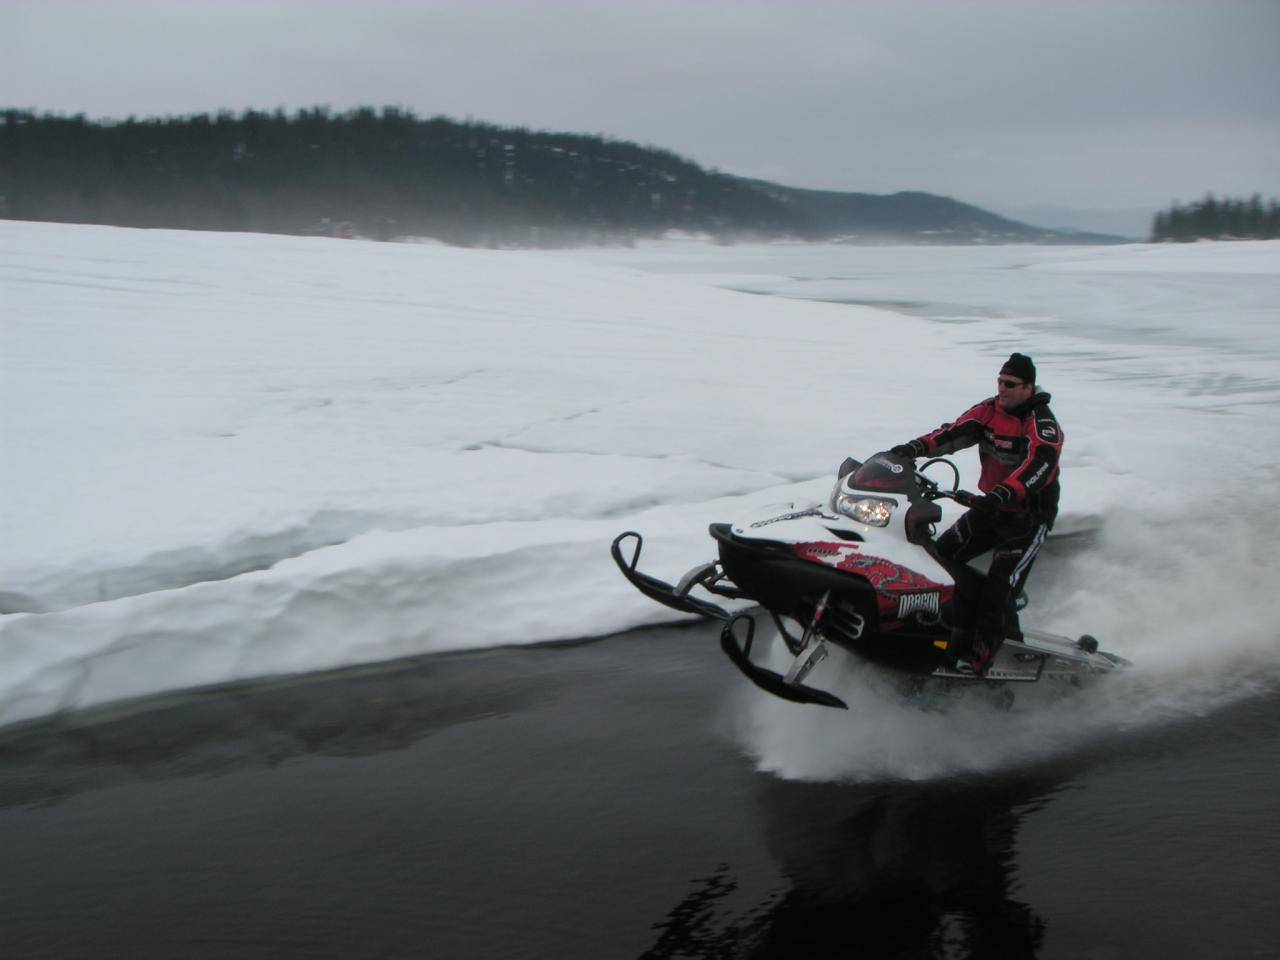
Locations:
column 884, row 472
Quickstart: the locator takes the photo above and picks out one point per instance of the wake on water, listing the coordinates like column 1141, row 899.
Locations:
column 1183, row 591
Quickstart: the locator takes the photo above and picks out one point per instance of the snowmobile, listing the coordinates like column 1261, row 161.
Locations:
column 860, row 572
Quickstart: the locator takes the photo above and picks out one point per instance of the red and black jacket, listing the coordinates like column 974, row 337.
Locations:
column 1018, row 449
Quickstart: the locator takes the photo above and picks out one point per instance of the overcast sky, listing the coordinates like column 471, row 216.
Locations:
column 1009, row 104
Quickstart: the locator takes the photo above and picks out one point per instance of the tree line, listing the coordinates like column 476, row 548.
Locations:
column 380, row 173
column 1214, row 219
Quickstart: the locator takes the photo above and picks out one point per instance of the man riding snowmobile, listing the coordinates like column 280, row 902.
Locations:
column 1019, row 445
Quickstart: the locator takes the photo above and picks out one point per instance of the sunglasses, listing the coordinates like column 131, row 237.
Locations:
column 1009, row 384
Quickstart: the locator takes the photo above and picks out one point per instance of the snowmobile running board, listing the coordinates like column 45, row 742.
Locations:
column 768, row 680
column 1000, row 671
column 677, row 597
column 1039, row 654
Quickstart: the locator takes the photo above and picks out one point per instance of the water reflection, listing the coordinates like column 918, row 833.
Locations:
column 900, row 871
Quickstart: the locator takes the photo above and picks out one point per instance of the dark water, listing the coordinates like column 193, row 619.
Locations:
column 585, row 801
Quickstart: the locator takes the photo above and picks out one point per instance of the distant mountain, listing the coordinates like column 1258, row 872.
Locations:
column 910, row 216
column 1133, row 223
column 390, row 174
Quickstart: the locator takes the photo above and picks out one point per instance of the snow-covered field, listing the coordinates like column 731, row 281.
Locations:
column 229, row 456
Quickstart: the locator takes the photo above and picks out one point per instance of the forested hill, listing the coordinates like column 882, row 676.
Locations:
column 389, row 174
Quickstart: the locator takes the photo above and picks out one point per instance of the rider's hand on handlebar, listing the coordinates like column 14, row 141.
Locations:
column 986, row 501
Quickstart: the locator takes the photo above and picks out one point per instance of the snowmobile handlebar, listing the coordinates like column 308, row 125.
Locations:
column 932, row 489
column 963, row 497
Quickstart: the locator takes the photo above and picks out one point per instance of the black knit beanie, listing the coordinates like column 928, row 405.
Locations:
column 1019, row 365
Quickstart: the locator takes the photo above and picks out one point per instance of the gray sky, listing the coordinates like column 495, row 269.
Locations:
column 1015, row 105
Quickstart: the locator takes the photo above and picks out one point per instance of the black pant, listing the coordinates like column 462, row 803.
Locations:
column 1015, row 539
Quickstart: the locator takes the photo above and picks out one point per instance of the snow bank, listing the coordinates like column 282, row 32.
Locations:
column 191, row 420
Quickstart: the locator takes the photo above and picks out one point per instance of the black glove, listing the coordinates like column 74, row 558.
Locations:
column 993, row 501
column 908, row 451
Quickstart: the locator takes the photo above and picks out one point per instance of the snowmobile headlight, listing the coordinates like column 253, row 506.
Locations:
column 869, row 510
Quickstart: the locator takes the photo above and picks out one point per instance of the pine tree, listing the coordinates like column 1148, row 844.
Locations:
column 1211, row 218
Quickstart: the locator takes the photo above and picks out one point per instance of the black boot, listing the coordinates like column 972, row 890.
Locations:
column 1012, row 628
